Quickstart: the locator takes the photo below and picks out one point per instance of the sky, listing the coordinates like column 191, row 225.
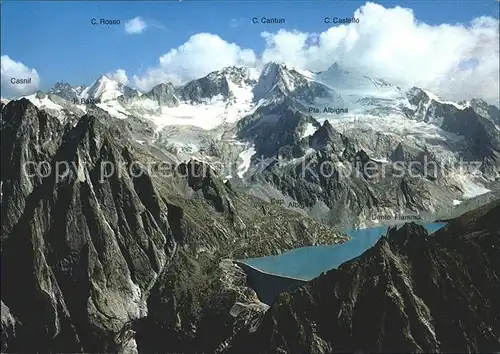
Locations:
column 447, row 46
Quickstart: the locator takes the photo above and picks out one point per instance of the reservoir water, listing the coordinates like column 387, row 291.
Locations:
column 306, row 263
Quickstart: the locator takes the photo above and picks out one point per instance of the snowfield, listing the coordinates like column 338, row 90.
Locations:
column 310, row 130
column 424, row 135
column 374, row 107
column 207, row 115
column 114, row 109
column 43, row 103
column 470, row 187
column 246, row 156
column 434, row 97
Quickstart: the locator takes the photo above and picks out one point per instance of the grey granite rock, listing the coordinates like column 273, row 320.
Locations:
column 115, row 252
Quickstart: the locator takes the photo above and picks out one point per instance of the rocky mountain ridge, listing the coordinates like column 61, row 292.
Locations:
column 258, row 129
column 105, row 250
column 411, row 292
column 120, row 218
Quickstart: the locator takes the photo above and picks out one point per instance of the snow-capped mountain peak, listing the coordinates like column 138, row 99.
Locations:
column 225, row 84
column 66, row 91
column 104, row 89
column 278, row 75
column 164, row 94
column 341, row 79
column 279, row 80
column 233, row 93
column 232, row 73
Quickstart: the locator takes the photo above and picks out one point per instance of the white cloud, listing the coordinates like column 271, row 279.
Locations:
column 389, row 43
column 119, row 75
column 200, row 55
column 135, row 25
column 12, row 70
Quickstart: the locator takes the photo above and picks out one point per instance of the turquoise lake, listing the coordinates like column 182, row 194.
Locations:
column 309, row 262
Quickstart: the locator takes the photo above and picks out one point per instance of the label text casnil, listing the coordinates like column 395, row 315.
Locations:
column 16, row 81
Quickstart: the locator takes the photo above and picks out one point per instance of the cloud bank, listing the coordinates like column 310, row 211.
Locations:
column 201, row 54
column 392, row 44
column 12, row 70
column 456, row 61
column 119, row 75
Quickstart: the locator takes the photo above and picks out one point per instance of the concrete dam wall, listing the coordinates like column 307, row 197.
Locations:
column 267, row 285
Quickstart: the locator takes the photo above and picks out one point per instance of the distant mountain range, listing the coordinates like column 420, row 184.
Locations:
column 243, row 121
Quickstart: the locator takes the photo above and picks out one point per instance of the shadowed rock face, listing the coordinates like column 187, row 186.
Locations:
column 214, row 84
column 277, row 82
column 164, row 94
column 269, row 286
column 78, row 252
column 411, row 292
column 345, row 179
column 110, row 255
column 477, row 123
column 486, row 110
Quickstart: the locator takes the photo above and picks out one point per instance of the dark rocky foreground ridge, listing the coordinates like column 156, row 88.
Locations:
column 132, row 260
column 411, row 292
